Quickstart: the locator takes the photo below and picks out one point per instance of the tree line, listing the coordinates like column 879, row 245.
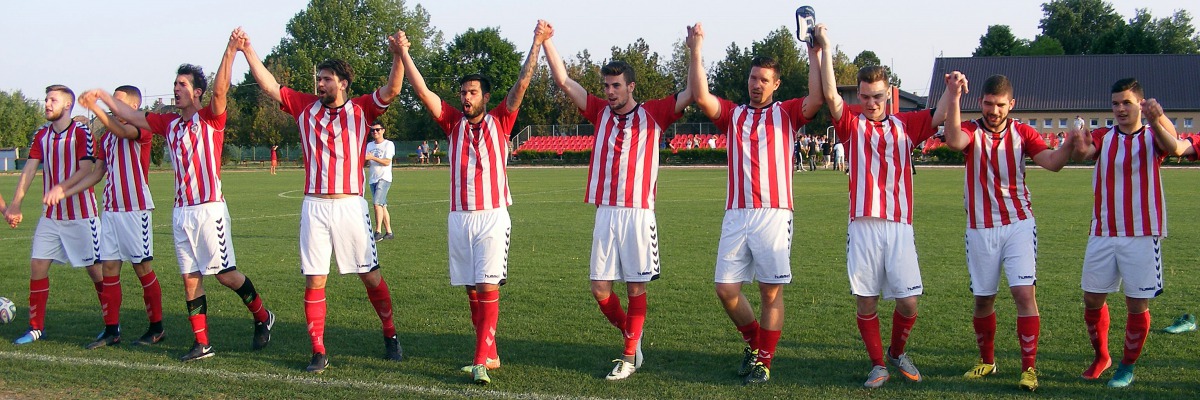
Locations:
column 1075, row 27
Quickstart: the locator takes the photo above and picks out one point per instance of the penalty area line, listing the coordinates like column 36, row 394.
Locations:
column 282, row 378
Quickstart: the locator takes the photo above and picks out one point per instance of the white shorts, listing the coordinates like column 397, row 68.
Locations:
column 755, row 243
column 203, row 239
column 624, row 245
column 881, row 258
column 1134, row 260
column 1014, row 246
column 75, row 242
column 341, row 226
column 478, row 243
column 126, row 236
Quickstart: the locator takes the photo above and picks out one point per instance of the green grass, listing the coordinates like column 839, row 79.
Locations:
column 553, row 339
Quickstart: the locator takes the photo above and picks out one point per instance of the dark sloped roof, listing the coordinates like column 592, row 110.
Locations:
column 1069, row 83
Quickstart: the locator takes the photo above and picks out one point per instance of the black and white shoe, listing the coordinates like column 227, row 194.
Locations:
column 318, row 364
column 392, row 349
column 199, row 351
column 262, row 332
column 105, row 339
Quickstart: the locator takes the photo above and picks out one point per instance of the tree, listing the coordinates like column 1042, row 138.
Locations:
column 868, row 58
column 19, row 117
column 1082, row 26
column 998, row 41
column 1042, row 45
column 728, row 77
column 652, row 80
column 1176, row 35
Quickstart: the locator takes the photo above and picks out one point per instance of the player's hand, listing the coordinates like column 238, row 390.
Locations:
column 13, row 215
column 53, row 196
column 695, row 36
column 821, row 36
column 88, row 100
column 956, row 83
column 398, row 43
column 542, row 31
column 81, row 120
column 1151, row 109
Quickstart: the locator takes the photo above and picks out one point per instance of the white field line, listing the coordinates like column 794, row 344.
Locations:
column 282, row 378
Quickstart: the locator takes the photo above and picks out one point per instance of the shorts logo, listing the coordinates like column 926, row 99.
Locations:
column 913, row 287
column 1147, row 289
column 1025, row 276
column 492, row 276
column 646, row 273
column 783, row 276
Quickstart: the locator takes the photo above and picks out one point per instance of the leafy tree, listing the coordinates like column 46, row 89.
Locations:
column 1082, row 26
column 868, row 58
column 652, row 79
column 728, row 77
column 481, row 51
column 19, row 117
column 1042, row 45
column 998, row 41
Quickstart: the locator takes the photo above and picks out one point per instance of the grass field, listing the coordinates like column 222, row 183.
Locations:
column 552, row 338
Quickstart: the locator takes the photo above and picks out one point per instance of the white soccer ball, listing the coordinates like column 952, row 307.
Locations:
column 8, row 310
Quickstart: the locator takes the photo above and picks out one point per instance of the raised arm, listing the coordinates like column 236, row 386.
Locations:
column 395, row 81
column 124, row 131
column 697, row 78
column 220, row 86
column 121, row 110
column 828, row 79
column 558, row 72
column 1164, row 131
column 541, row 32
column 428, row 97
column 943, row 105
column 816, row 93
column 956, row 86
column 266, row 81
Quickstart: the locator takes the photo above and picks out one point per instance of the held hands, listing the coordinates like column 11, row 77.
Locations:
column 1151, row 109
column 695, row 36
column 398, row 44
column 13, row 215
column 543, row 31
column 820, row 36
column 956, row 83
column 89, row 100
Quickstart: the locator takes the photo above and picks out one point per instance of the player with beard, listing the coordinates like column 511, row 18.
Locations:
column 479, row 226
column 334, row 218
column 69, row 230
column 1001, row 231
column 756, row 233
column 201, row 225
column 622, row 181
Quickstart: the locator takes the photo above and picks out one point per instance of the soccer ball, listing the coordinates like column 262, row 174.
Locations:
column 8, row 310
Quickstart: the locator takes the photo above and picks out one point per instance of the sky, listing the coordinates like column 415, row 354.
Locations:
column 88, row 44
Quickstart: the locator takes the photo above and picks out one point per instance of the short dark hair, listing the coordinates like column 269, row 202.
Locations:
column 376, row 122
column 615, row 68
column 485, row 84
column 1129, row 84
column 766, row 62
column 131, row 91
column 61, row 88
column 199, row 81
column 338, row 67
column 872, row 74
column 998, row 85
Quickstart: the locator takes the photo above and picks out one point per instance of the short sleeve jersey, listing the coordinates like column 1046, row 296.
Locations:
column 623, row 171
column 760, row 141
column 478, row 158
column 195, row 145
column 1127, row 185
column 334, row 140
column 378, row 171
column 127, row 187
column 879, row 158
column 60, row 154
column 994, row 187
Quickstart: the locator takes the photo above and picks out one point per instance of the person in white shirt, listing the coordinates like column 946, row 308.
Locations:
column 379, row 156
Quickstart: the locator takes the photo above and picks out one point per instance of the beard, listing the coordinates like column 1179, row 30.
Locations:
column 475, row 111
column 55, row 115
column 327, row 98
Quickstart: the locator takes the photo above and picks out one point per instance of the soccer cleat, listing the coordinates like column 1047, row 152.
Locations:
column 759, row 374
column 199, row 351
column 1029, row 379
column 262, row 332
column 318, row 363
column 30, row 336
column 490, row 363
column 378, row 236
column 981, row 370
column 1097, row 368
column 905, row 364
column 1185, row 323
column 749, row 356
column 105, row 339
column 878, row 376
column 149, row 338
column 389, row 235
column 621, row 369
column 637, row 356
column 1122, row 377
column 479, row 374
column 392, row 349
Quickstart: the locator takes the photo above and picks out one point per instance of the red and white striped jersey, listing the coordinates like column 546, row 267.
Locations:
column 624, row 168
column 127, row 187
column 195, row 146
column 334, row 140
column 1127, row 186
column 478, row 158
column 760, row 152
column 60, row 154
column 879, row 158
column 994, row 188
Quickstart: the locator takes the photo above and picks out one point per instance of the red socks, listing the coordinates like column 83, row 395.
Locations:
column 152, row 296
column 985, row 337
column 1028, row 330
column 110, row 300
column 868, row 328
column 1097, row 327
column 381, row 299
column 767, row 340
column 901, row 326
column 750, row 334
column 611, row 307
column 634, row 322
column 39, row 291
column 485, row 332
column 1137, row 326
column 314, row 314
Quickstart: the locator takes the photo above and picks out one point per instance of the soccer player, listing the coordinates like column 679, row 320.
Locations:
column 622, row 181
column 124, row 153
column 881, row 256
column 1001, row 231
column 379, row 156
column 334, row 216
column 1129, row 219
column 479, row 224
column 274, row 158
column 69, row 230
column 201, row 224
column 756, row 234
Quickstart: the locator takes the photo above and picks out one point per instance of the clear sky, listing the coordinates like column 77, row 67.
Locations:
column 89, row 44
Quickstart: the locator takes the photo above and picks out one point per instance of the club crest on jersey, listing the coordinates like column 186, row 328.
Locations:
column 195, row 129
